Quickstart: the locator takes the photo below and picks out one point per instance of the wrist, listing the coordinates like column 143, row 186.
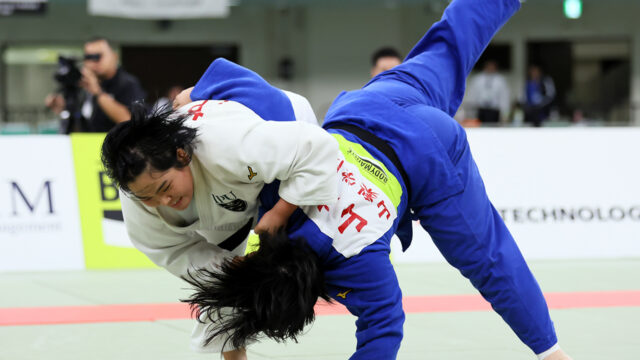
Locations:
column 284, row 208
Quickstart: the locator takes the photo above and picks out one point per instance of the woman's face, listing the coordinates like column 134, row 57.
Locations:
column 172, row 188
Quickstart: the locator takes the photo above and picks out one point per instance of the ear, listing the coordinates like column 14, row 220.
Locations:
column 114, row 52
column 183, row 156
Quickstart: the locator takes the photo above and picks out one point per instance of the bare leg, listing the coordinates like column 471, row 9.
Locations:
column 237, row 354
column 558, row 355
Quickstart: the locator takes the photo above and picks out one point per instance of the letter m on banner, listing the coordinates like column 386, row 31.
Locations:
column 17, row 194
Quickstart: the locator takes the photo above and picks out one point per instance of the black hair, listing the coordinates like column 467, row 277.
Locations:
column 384, row 52
column 109, row 42
column 149, row 141
column 271, row 291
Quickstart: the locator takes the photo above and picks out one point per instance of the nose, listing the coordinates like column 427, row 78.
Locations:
column 166, row 200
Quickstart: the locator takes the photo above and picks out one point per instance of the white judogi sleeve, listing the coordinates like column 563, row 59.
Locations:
column 177, row 252
column 301, row 108
column 299, row 155
column 241, row 147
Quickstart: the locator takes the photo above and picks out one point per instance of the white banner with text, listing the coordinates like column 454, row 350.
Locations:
column 39, row 220
column 565, row 193
column 160, row 9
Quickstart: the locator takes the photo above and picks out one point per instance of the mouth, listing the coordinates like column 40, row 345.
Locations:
column 177, row 204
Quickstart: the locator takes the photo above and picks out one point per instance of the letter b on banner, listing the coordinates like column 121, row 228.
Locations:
column 108, row 190
column 106, row 244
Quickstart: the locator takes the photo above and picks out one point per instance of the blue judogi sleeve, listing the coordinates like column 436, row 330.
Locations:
column 225, row 80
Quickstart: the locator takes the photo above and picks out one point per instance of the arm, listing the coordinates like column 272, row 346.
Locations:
column 443, row 58
column 224, row 80
column 116, row 111
column 298, row 154
column 55, row 102
column 304, row 167
column 183, row 98
column 275, row 219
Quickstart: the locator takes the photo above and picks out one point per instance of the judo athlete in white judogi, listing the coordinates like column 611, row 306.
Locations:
column 402, row 158
column 200, row 210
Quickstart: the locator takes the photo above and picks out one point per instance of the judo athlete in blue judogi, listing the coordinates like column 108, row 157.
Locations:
column 410, row 107
column 403, row 158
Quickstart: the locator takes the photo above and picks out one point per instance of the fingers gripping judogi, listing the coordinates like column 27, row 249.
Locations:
column 230, row 166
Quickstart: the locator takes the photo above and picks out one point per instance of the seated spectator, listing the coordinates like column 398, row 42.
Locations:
column 540, row 92
column 489, row 95
column 384, row 59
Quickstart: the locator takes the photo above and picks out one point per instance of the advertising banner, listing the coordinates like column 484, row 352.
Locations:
column 564, row 193
column 106, row 244
column 160, row 9
column 20, row 7
column 39, row 227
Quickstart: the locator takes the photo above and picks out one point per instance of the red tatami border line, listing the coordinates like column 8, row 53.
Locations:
column 412, row 304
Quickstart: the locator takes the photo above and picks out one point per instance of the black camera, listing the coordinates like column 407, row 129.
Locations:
column 68, row 76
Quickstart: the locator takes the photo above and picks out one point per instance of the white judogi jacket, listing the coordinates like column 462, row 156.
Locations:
column 236, row 153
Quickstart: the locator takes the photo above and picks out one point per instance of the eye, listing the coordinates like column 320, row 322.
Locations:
column 136, row 197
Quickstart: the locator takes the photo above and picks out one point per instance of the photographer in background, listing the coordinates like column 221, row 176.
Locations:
column 110, row 89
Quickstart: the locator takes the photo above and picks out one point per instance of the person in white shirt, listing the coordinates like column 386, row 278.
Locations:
column 489, row 95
